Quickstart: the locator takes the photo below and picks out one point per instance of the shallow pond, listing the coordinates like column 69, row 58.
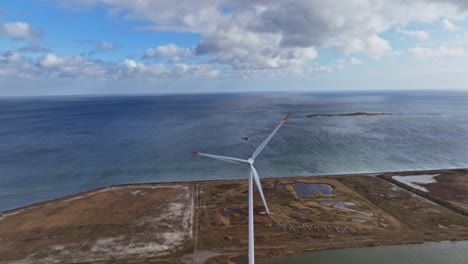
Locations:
column 415, row 181
column 358, row 220
column 335, row 204
column 280, row 186
column 309, row 189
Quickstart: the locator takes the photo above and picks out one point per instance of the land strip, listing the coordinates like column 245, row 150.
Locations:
column 450, row 188
column 206, row 221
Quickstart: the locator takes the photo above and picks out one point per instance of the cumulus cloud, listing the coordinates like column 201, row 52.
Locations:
column 51, row 60
column 254, row 34
column 169, row 51
column 22, row 31
column 448, row 25
column 417, row 34
column 11, row 57
column 433, row 53
column 250, row 51
column 14, row 64
column 249, row 37
column 374, row 45
column 132, row 68
column 73, row 66
column 106, row 46
column 18, row 31
column 462, row 5
column 355, row 61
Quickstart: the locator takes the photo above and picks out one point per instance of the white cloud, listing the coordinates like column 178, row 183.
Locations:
column 461, row 5
column 13, row 64
column 448, row 25
column 73, row 67
column 417, row 34
column 134, row 69
column 51, row 60
column 106, row 46
column 355, row 61
column 246, row 50
column 18, row 31
column 256, row 35
column 11, row 57
column 440, row 52
column 131, row 64
column 169, row 51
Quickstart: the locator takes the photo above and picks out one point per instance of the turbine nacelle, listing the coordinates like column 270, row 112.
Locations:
column 253, row 177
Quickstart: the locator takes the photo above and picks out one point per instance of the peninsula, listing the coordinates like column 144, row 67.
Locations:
column 206, row 221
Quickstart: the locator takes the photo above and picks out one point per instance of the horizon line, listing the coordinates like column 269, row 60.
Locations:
column 235, row 92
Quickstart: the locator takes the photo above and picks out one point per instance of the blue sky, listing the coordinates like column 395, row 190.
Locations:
column 118, row 46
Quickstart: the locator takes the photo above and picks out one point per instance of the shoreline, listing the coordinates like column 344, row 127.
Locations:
column 207, row 219
column 372, row 174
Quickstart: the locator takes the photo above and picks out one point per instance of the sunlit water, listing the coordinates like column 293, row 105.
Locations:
column 427, row 253
column 55, row 146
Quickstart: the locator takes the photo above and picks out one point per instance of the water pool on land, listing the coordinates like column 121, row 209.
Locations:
column 427, row 253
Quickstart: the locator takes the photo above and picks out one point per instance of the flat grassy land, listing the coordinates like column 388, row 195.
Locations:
column 113, row 224
column 206, row 222
column 450, row 188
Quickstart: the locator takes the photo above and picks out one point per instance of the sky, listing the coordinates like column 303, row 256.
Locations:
column 54, row 47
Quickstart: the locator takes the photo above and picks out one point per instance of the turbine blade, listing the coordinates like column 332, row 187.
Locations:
column 223, row 158
column 259, row 187
column 265, row 142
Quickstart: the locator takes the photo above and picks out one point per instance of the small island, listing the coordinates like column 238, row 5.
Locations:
column 348, row 114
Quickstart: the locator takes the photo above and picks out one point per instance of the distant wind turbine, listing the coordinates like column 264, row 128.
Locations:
column 253, row 176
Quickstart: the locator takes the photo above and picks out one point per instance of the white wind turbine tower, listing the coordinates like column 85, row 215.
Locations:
column 253, row 176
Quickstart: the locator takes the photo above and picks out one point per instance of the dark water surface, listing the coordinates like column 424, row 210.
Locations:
column 310, row 189
column 427, row 253
column 55, row 146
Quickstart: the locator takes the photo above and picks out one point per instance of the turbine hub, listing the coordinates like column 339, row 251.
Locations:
column 251, row 161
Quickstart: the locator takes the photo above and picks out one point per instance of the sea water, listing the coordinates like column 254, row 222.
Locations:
column 56, row 146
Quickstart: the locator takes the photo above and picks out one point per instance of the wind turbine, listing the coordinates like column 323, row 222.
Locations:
column 252, row 177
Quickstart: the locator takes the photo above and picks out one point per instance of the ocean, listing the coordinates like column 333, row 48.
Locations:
column 56, row 146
